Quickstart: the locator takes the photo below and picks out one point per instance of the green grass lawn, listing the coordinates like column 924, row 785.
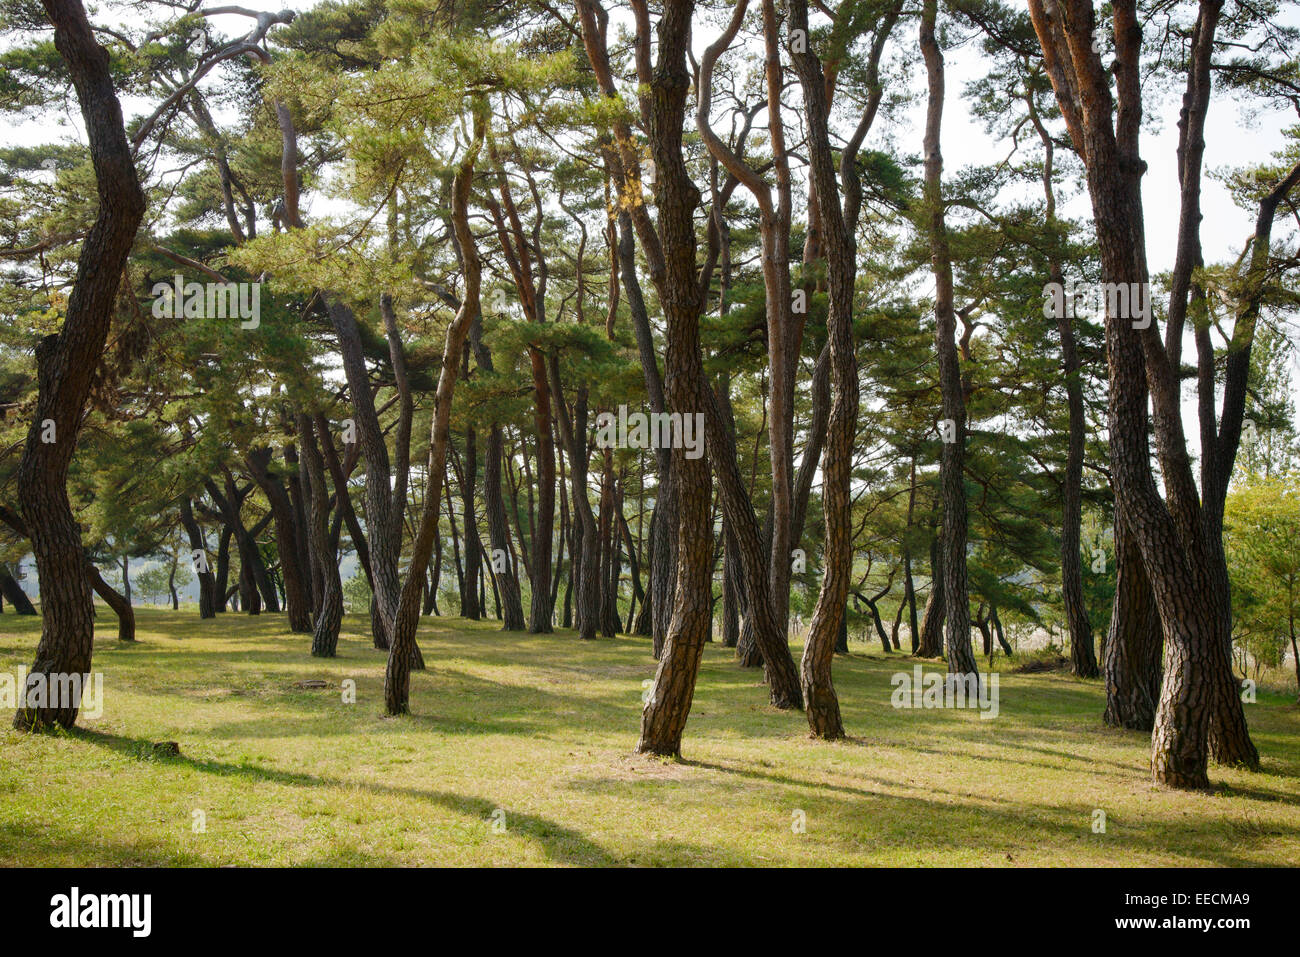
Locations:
column 542, row 728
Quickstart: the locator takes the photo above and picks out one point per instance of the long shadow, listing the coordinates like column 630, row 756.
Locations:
column 561, row 843
column 995, row 824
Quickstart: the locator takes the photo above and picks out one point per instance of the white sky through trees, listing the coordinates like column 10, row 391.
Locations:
column 1234, row 137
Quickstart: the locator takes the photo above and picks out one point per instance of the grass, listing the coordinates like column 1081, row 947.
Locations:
column 541, row 729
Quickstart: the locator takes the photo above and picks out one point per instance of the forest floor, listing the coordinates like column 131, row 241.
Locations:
column 519, row 752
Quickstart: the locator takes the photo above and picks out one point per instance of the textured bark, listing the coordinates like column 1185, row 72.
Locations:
column 66, row 363
column 325, row 631
column 956, row 603
column 663, row 718
column 1131, row 657
column 769, row 639
column 828, row 620
column 1172, row 533
column 747, row 653
column 384, row 550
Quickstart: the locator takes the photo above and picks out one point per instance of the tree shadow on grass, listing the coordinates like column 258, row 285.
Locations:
column 562, row 844
column 477, row 706
column 975, row 823
column 55, row 846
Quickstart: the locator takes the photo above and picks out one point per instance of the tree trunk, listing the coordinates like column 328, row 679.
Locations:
column 1131, row 658
column 325, row 632
column 1199, row 699
column 769, row 638
column 14, row 593
column 120, row 604
column 663, row 522
column 586, row 531
column 469, row 605
column 297, row 599
column 610, row 562
column 931, row 642
column 730, row 588
column 828, row 621
column 403, row 651
column 383, row 534
column 503, row 572
column 222, row 580
column 199, row 548
column 663, row 719
column 66, row 363
column 956, row 604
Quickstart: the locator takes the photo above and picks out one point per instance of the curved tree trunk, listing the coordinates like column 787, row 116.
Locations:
column 768, row 637
column 14, row 593
column 1198, row 697
column 663, row 718
column 297, row 598
column 828, row 620
column 119, row 603
column 403, row 651
column 66, row 363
